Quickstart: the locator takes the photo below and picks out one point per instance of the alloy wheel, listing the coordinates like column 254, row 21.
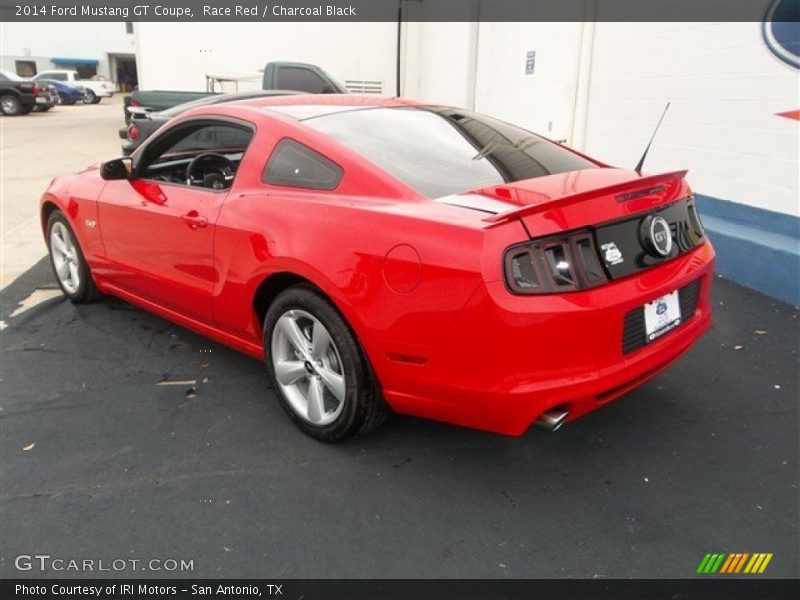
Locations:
column 65, row 257
column 308, row 367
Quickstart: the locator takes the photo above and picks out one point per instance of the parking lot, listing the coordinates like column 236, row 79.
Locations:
column 108, row 451
column 35, row 148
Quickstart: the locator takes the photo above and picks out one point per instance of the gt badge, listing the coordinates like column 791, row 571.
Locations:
column 612, row 254
column 656, row 236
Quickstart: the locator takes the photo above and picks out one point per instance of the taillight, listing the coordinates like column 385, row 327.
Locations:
column 35, row 90
column 133, row 132
column 563, row 263
column 135, row 103
column 696, row 222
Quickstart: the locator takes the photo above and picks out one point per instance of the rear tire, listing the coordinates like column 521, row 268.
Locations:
column 321, row 353
column 89, row 97
column 70, row 268
column 10, row 105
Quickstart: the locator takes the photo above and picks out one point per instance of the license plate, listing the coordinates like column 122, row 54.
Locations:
column 662, row 315
column 41, row 100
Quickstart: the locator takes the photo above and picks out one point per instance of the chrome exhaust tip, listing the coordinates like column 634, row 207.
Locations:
column 552, row 420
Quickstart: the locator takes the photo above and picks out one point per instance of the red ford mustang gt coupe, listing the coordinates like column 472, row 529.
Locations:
column 385, row 254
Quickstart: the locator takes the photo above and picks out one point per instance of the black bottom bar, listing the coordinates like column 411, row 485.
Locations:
column 710, row 587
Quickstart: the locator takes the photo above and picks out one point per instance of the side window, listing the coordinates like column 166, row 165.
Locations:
column 294, row 165
column 212, row 138
column 300, row 80
column 202, row 153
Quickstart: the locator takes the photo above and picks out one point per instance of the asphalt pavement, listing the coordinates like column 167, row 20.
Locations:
column 106, row 453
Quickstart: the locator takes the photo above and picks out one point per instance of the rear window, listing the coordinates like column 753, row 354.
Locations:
column 444, row 151
column 300, row 79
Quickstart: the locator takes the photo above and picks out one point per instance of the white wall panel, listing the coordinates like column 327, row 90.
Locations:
column 178, row 55
column 725, row 88
column 544, row 100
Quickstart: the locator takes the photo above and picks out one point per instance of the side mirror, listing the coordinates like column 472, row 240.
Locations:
column 119, row 168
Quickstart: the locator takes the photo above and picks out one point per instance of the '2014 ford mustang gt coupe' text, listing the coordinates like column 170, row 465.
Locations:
column 384, row 254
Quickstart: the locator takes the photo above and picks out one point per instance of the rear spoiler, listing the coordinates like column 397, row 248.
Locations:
column 627, row 190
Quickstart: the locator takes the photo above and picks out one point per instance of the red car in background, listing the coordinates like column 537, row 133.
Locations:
column 385, row 254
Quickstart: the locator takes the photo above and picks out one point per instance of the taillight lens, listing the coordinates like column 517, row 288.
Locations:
column 695, row 221
column 35, row 90
column 563, row 263
column 135, row 103
column 133, row 132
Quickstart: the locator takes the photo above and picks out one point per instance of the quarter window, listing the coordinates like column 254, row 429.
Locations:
column 294, row 165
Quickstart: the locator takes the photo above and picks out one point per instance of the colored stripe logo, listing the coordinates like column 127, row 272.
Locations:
column 737, row 562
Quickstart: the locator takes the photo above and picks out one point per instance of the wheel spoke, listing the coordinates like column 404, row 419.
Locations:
column 290, row 372
column 320, row 340
column 73, row 271
column 293, row 334
column 62, row 270
column 59, row 243
column 316, row 408
column 333, row 381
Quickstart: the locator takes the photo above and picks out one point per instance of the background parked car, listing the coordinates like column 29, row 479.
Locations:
column 17, row 95
column 278, row 75
column 66, row 94
column 144, row 123
column 47, row 97
column 93, row 90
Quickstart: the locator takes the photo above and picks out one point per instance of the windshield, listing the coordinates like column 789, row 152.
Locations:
column 442, row 151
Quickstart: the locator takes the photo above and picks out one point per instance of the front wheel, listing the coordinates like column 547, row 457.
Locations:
column 89, row 97
column 318, row 369
column 69, row 265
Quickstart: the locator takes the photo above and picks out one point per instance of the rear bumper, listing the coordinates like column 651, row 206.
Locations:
column 507, row 358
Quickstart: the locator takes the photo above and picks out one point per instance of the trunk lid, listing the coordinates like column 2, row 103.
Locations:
column 572, row 200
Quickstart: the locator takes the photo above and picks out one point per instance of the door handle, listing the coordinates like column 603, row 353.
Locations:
column 194, row 220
